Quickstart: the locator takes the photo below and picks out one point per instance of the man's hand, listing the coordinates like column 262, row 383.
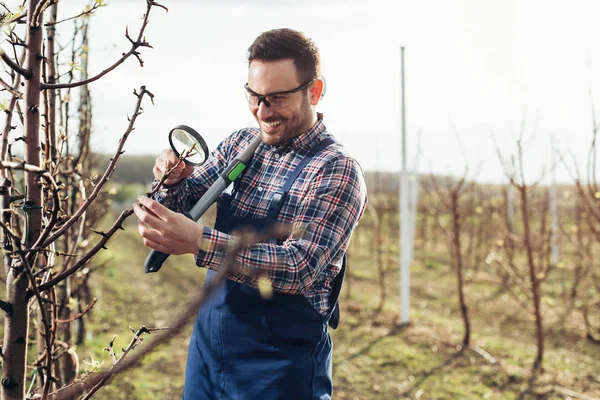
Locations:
column 165, row 161
column 165, row 230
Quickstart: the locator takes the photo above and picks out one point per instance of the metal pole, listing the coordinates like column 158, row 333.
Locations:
column 404, row 215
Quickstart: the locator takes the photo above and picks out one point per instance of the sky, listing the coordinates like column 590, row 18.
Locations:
column 474, row 71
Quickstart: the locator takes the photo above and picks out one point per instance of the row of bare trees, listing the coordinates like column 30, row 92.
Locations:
column 503, row 233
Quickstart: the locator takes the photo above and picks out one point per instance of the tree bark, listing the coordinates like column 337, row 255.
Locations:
column 16, row 326
column 535, row 283
column 459, row 267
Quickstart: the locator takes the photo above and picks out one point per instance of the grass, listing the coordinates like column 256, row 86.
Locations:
column 129, row 297
column 374, row 358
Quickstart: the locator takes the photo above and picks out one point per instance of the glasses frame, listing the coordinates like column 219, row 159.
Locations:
column 263, row 97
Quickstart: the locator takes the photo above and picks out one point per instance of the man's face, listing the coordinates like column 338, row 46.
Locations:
column 279, row 124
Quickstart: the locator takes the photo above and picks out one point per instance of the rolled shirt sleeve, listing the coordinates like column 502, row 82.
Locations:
column 327, row 215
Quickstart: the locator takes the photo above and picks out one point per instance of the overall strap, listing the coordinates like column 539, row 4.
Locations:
column 280, row 195
column 333, row 315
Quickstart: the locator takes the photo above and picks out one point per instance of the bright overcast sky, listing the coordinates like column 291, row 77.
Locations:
column 472, row 66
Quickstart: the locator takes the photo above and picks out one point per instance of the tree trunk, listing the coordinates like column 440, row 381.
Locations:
column 459, row 268
column 16, row 326
column 52, row 93
column 535, row 283
column 379, row 257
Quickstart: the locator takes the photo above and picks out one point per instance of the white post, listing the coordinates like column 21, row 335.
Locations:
column 404, row 215
column 414, row 199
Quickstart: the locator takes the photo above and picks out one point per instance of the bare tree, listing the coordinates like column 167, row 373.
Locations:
column 41, row 252
column 454, row 233
column 537, row 272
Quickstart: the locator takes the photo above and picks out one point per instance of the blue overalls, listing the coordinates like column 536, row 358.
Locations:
column 245, row 347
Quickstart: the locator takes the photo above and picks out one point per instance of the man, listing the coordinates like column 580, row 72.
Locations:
column 245, row 346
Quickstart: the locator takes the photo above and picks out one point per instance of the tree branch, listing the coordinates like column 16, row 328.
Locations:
column 139, row 42
column 81, row 314
column 118, row 225
column 229, row 265
column 26, row 73
column 53, row 187
column 6, row 307
column 89, row 11
column 107, row 173
column 10, row 89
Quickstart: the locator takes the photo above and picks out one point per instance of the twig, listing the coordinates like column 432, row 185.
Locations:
column 10, row 89
column 18, row 18
column 570, row 393
column 179, row 323
column 135, row 341
column 135, row 44
column 168, row 173
column 118, row 225
column 490, row 358
column 107, row 173
column 89, row 11
column 54, row 188
column 81, row 314
column 38, row 11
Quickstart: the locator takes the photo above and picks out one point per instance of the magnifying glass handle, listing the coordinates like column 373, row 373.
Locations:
column 154, row 261
column 156, row 258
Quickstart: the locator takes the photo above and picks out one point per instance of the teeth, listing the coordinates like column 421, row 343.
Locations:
column 272, row 124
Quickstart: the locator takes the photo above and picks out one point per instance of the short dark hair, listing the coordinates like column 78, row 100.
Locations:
column 284, row 44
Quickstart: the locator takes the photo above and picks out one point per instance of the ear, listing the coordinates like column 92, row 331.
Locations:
column 317, row 90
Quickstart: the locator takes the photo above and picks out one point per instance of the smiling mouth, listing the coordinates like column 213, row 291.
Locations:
column 272, row 124
column 269, row 126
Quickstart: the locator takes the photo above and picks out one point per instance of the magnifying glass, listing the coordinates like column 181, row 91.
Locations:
column 188, row 145
column 187, row 142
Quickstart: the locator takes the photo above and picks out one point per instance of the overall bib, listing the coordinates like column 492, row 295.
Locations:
column 245, row 347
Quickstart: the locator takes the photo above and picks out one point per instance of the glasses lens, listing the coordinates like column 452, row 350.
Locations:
column 279, row 101
column 252, row 99
column 275, row 100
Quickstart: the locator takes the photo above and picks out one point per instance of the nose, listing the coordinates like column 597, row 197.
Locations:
column 263, row 111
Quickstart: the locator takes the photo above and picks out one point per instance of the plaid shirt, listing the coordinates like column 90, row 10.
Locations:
column 323, row 208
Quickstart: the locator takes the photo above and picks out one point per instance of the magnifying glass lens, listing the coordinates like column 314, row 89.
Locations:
column 188, row 143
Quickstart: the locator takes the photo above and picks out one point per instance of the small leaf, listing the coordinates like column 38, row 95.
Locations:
column 75, row 66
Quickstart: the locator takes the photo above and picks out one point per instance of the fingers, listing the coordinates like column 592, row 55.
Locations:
column 147, row 218
column 150, row 226
column 151, row 212
column 168, row 161
column 155, row 245
column 165, row 230
column 147, row 233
